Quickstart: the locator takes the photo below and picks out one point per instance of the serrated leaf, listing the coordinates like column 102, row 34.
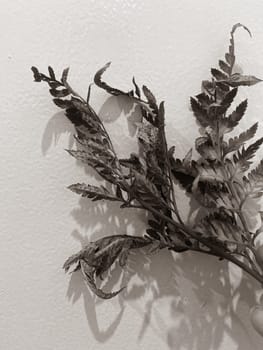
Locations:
column 242, row 158
column 97, row 258
column 93, row 192
column 221, row 227
column 225, row 67
column 101, row 165
column 237, row 114
column 210, row 172
column 218, row 74
column 105, row 86
column 253, row 182
column 235, row 143
column 199, row 112
column 150, row 98
column 148, row 192
column 204, row 147
column 229, row 58
column 229, row 98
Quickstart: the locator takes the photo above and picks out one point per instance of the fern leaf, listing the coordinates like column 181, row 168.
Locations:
column 242, row 158
column 105, row 86
column 221, row 227
column 235, row 143
column 254, row 182
column 200, row 113
column 93, row 192
column 219, row 76
column 237, row 114
column 229, row 98
column 98, row 257
column 151, row 99
column 225, row 67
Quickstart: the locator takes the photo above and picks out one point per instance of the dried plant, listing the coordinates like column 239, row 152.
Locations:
column 220, row 179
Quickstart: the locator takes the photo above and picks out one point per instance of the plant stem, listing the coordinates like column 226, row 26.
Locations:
column 215, row 250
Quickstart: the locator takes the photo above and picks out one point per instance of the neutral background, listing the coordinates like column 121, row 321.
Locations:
column 184, row 302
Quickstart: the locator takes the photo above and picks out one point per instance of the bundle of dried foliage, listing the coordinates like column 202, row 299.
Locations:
column 220, row 179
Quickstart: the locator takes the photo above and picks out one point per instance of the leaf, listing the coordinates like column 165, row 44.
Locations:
column 235, row 143
column 237, row 114
column 62, row 103
column 230, row 55
column 137, row 90
column 59, row 93
column 183, row 171
column 101, row 165
column 199, row 112
column 210, row 172
column 253, row 182
column 229, row 98
column 242, row 158
column 242, row 80
column 218, row 74
column 150, row 98
column 65, row 75
column 37, row 75
column 225, row 67
column 213, row 195
column 97, row 257
column 147, row 192
column 93, row 192
column 239, row 25
column 51, row 73
column 221, row 227
column 204, row 147
column 105, row 86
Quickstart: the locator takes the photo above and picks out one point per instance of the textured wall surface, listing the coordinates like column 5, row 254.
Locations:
column 186, row 302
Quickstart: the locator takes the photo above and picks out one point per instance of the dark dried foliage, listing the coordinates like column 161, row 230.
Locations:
column 218, row 179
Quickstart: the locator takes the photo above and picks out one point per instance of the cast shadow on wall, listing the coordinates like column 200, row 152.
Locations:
column 204, row 305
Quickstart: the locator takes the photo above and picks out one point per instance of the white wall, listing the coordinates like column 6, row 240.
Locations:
column 170, row 46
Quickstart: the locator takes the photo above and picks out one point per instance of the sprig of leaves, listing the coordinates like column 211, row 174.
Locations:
column 218, row 179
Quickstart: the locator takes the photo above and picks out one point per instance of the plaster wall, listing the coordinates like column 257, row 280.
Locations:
column 183, row 302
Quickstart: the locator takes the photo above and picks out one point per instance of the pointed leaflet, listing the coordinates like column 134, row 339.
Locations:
column 97, row 257
column 242, row 80
column 151, row 99
column 94, row 192
column 65, row 75
column 137, row 89
column 242, row 158
column 205, row 148
column 254, row 182
column 105, row 86
column 235, row 143
column 237, row 114
column 229, row 98
column 221, row 227
column 225, row 67
column 200, row 113
column 218, row 74
column 103, row 166
column 147, row 192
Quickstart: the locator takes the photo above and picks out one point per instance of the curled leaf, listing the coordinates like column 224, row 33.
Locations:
column 97, row 258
